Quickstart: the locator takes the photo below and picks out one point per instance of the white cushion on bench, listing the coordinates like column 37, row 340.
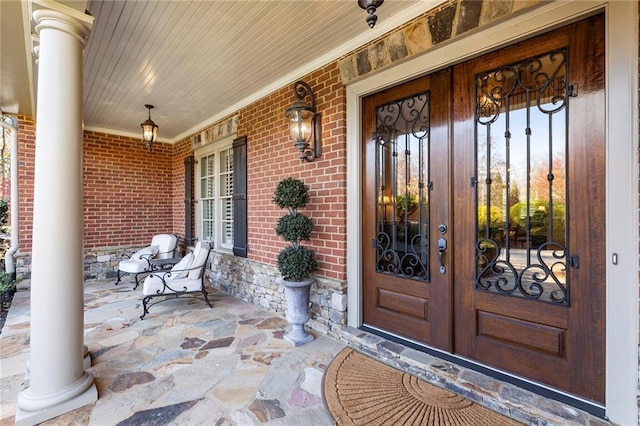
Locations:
column 138, row 261
column 153, row 284
column 179, row 280
column 166, row 245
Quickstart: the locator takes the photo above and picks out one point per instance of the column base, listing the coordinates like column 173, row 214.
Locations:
column 30, row 418
column 86, row 364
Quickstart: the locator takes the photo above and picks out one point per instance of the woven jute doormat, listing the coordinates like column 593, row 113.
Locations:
column 359, row 390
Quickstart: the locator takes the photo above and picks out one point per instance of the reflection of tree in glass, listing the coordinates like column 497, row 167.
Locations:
column 408, row 177
column 405, row 206
column 497, row 189
column 514, row 194
column 540, row 183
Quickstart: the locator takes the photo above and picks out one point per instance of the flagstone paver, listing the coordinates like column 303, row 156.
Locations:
column 183, row 364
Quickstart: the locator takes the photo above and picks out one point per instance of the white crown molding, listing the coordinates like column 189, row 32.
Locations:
column 122, row 133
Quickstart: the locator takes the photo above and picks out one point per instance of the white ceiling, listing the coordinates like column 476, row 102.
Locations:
column 197, row 61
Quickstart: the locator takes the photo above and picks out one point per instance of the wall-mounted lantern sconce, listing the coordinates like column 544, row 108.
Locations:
column 370, row 6
column 149, row 130
column 305, row 123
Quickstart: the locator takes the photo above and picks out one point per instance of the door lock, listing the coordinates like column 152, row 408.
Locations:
column 442, row 247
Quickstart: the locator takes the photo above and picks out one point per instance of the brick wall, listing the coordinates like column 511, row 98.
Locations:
column 181, row 150
column 272, row 157
column 125, row 201
column 129, row 195
column 126, row 196
column 26, row 169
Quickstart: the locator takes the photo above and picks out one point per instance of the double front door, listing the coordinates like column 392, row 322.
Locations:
column 484, row 210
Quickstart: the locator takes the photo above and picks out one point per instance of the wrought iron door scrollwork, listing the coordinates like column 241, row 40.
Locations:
column 408, row 264
column 521, row 120
column 402, row 175
column 537, row 281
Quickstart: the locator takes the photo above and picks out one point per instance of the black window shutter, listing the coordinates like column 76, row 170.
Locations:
column 240, row 197
column 188, row 199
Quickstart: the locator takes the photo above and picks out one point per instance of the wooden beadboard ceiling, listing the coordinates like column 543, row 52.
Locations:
column 199, row 60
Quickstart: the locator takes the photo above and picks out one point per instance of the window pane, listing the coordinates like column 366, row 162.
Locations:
column 207, row 177
column 227, row 221
column 216, row 197
column 227, row 233
column 226, row 160
column 521, row 130
column 226, row 173
column 402, row 176
column 209, row 233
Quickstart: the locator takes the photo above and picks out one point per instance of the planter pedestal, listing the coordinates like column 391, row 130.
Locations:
column 297, row 295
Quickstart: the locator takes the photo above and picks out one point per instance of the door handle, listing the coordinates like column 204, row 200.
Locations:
column 442, row 247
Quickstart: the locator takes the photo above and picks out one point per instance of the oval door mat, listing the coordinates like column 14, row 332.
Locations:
column 359, row 390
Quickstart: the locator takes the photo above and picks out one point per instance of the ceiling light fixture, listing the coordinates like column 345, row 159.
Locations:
column 370, row 6
column 149, row 130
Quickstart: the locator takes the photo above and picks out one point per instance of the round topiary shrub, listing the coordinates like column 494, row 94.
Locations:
column 295, row 263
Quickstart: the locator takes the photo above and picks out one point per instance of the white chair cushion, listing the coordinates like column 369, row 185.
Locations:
column 185, row 263
column 133, row 266
column 153, row 285
column 151, row 250
column 166, row 245
column 200, row 254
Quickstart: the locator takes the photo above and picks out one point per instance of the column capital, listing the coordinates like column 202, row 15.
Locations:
column 53, row 15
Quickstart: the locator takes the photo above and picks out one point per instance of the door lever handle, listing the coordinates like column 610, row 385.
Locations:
column 442, row 247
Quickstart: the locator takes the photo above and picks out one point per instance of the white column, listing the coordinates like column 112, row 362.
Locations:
column 57, row 380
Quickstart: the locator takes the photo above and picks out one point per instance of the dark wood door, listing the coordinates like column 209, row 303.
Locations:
column 514, row 168
column 407, row 288
column 529, row 209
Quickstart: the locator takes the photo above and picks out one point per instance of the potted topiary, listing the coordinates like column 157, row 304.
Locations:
column 296, row 263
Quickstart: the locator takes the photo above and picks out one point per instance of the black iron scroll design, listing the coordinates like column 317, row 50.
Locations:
column 537, row 281
column 542, row 78
column 521, row 203
column 401, row 242
column 408, row 264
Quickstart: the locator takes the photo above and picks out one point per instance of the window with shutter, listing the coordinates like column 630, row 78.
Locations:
column 214, row 193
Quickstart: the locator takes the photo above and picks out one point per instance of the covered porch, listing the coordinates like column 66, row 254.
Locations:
column 86, row 180
column 183, row 364
column 188, row 364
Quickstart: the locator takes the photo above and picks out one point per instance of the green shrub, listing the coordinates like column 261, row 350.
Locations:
column 294, row 227
column 7, row 284
column 4, row 213
column 291, row 194
column 495, row 217
column 405, row 205
column 295, row 263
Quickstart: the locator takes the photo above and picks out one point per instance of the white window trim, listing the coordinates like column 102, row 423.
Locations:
column 621, row 34
column 207, row 150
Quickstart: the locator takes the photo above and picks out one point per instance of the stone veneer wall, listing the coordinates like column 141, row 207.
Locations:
column 440, row 24
column 249, row 280
column 256, row 282
column 99, row 263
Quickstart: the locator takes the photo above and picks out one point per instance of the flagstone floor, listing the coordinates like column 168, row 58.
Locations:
column 185, row 364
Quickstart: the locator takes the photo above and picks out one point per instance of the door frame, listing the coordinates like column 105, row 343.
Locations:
column 621, row 38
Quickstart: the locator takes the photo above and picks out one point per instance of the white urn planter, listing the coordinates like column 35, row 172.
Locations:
column 297, row 296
